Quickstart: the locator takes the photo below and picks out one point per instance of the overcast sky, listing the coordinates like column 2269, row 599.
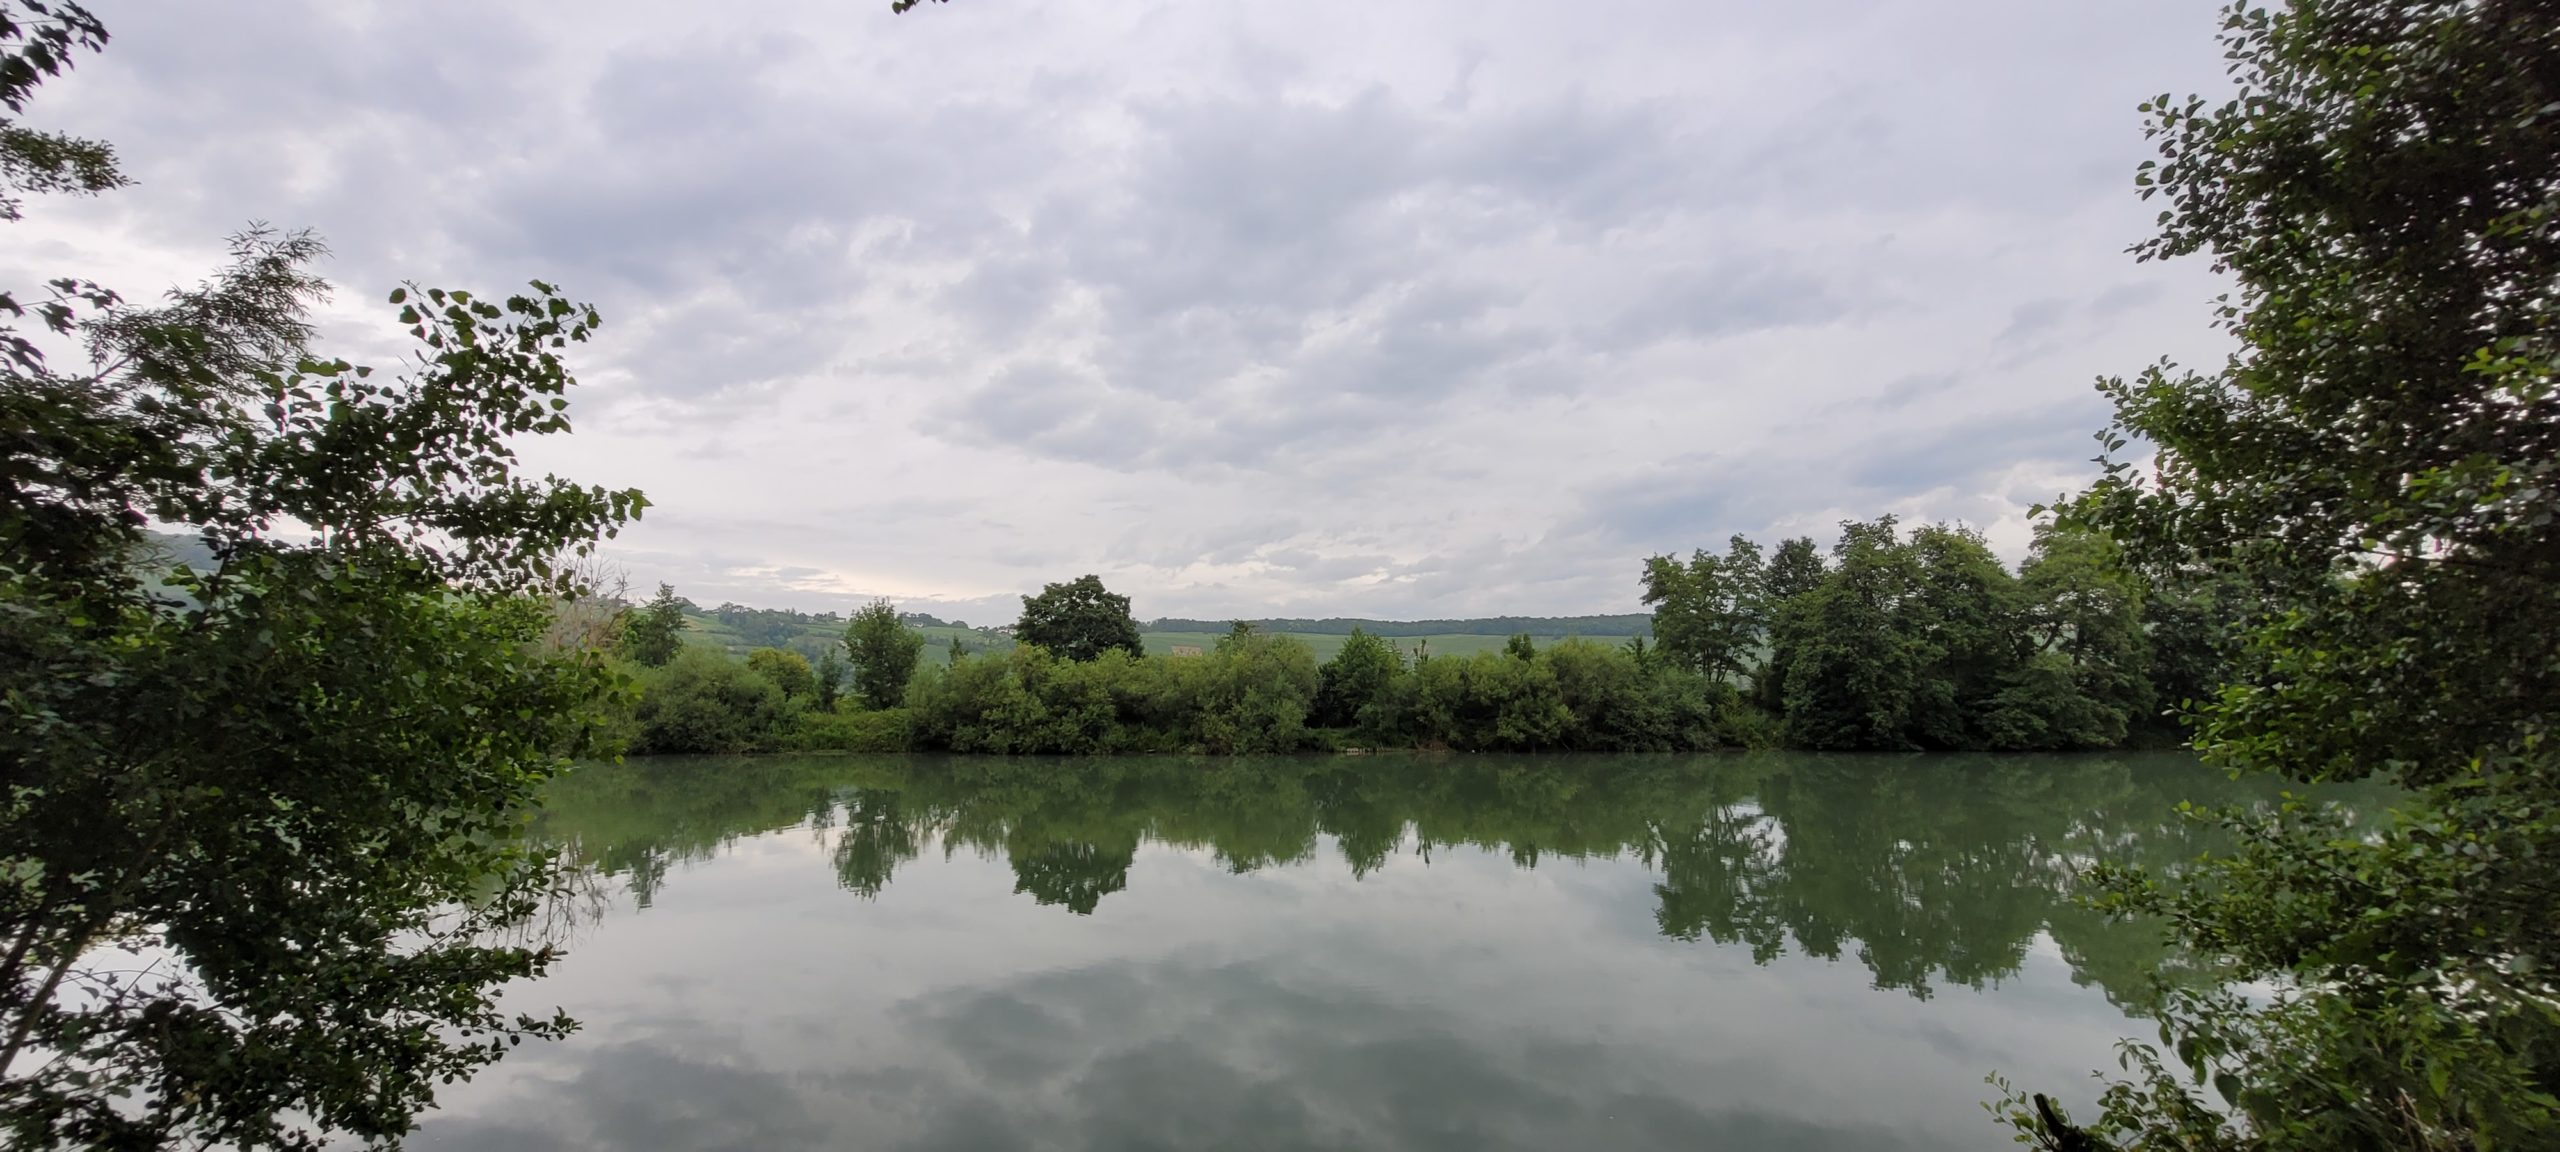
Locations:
column 1410, row 309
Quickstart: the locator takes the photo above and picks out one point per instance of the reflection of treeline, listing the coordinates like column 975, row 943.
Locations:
column 1927, row 871
column 1892, row 640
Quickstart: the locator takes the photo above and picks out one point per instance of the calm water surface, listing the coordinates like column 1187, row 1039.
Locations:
column 1738, row 952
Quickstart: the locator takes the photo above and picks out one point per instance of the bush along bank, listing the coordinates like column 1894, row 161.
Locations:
column 1893, row 640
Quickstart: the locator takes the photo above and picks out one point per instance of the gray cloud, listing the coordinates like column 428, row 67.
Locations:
column 1455, row 309
column 637, row 1095
column 1172, row 1055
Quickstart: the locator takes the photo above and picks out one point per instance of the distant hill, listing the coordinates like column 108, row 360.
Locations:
column 1634, row 624
column 162, row 551
column 737, row 629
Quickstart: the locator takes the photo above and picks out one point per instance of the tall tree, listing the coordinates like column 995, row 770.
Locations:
column 1793, row 570
column 1079, row 620
column 2087, row 656
column 1356, row 679
column 1966, row 614
column 883, row 652
column 300, row 779
column 1854, row 668
column 2380, row 463
column 653, row 633
column 1711, row 613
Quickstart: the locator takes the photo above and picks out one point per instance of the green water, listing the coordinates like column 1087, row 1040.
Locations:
column 1744, row 952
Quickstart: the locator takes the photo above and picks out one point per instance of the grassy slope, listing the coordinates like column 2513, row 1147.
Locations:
column 815, row 638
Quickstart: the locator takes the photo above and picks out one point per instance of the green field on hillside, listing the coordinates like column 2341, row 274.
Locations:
column 815, row 639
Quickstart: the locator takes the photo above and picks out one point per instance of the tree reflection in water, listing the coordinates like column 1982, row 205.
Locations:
column 1928, row 870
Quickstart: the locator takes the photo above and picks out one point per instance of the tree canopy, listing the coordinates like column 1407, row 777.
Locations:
column 883, row 652
column 1079, row 620
column 653, row 633
column 2378, row 469
column 296, row 771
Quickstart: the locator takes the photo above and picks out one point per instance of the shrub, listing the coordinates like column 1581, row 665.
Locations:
column 702, row 701
column 789, row 671
column 853, row 730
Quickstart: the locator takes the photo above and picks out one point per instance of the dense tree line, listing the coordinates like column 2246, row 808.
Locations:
column 1895, row 640
column 1924, row 640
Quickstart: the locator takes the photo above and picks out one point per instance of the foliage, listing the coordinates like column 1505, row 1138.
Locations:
column 1353, row 684
column 1793, row 570
column 828, row 678
column 1895, row 647
column 1710, row 614
column 2379, row 466
column 2087, row 679
column 884, row 654
column 789, row 671
column 1257, row 693
column 1945, row 872
column 37, row 43
column 851, row 730
column 2192, row 620
column 1252, row 694
column 296, row 778
column 1908, row 640
column 1572, row 695
column 702, row 701
column 654, row 632
column 1912, row 640
column 1023, row 701
column 1079, row 620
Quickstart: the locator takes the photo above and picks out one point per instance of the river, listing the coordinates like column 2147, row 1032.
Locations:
column 1764, row 951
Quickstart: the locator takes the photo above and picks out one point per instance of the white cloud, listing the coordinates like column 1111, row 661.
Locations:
column 1430, row 309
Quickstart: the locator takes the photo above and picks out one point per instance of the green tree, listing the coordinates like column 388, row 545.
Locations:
column 884, row 653
column 1967, row 617
column 829, row 679
column 1906, row 642
column 1079, row 620
column 2192, row 621
column 1794, row 569
column 703, row 701
column 300, row 779
column 2085, row 680
column 1253, row 694
column 654, row 632
column 789, row 671
column 1852, row 670
column 2380, row 463
column 1711, row 613
column 1356, row 680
